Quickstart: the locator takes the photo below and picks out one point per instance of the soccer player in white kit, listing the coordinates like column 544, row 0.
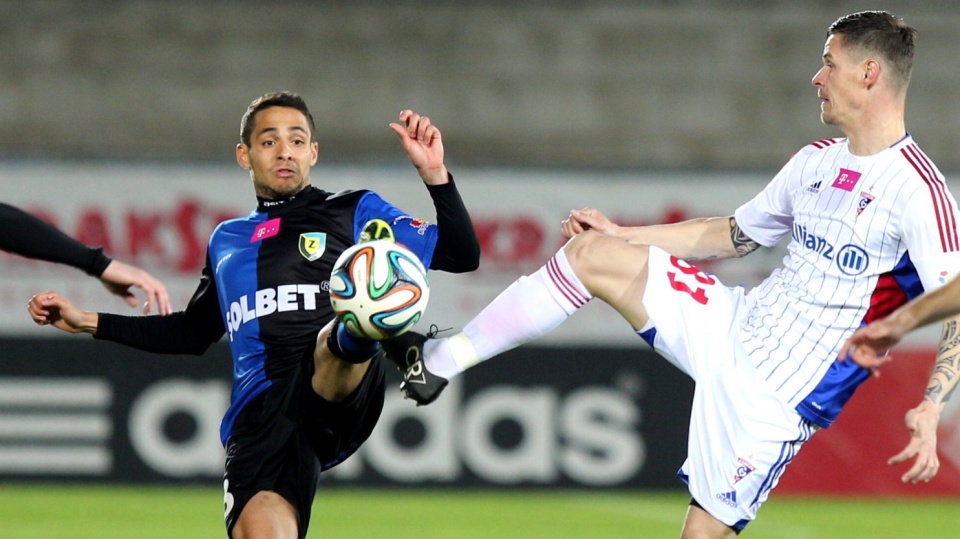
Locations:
column 871, row 225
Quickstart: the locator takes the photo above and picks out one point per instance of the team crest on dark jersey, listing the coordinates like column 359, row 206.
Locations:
column 312, row 245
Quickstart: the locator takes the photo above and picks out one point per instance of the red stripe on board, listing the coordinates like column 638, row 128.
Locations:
column 569, row 291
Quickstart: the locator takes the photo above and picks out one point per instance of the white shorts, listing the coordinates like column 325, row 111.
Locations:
column 742, row 435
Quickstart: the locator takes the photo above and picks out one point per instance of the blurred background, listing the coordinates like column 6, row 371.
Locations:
column 119, row 119
column 704, row 84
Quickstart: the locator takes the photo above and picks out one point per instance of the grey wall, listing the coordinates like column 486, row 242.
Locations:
column 692, row 84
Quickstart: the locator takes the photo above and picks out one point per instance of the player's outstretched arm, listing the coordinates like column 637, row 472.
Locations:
column 28, row 236
column 711, row 238
column 50, row 308
column 119, row 277
column 868, row 345
column 423, row 144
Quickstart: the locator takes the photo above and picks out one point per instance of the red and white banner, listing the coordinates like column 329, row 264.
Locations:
column 159, row 216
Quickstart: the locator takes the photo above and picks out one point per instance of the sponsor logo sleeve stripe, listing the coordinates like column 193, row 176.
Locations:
column 566, row 288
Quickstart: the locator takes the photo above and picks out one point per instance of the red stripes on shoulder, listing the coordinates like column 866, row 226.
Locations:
column 942, row 204
column 821, row 144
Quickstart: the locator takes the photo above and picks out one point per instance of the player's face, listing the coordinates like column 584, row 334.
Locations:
column 280, row 153
column 838, row 84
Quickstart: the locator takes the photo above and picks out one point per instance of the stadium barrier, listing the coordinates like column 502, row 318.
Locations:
column 537, row 417
column 78, row 410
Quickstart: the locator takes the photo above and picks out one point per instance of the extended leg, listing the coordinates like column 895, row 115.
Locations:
column 589, row 265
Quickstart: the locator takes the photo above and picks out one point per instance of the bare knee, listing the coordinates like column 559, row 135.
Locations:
column 266, row 516
column 612, row 270
column 592, row 252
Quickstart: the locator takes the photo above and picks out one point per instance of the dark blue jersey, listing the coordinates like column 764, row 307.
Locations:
column 265, row 283
column 271, row 272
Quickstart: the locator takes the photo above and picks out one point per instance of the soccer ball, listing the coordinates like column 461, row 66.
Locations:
column 378, row 289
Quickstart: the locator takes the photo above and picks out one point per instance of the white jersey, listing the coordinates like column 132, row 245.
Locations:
column 867, row 235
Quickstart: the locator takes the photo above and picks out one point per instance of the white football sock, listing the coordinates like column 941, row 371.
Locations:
column 528, row 309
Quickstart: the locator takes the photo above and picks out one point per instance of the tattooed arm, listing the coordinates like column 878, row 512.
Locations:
column 868, row 346
column 923, row 420
column 741, row 242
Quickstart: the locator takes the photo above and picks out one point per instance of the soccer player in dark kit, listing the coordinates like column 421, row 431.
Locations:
column 305, row 393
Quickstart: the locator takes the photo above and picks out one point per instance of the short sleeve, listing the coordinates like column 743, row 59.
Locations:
column 929, row 229
column 769, row 215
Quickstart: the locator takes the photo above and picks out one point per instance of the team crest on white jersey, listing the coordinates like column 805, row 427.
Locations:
column 312, row 245
column 743, row 469
column 865, row 199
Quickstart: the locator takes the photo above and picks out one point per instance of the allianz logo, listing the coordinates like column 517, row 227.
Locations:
column 817, row 244
column 266, row 301
column 850, row 259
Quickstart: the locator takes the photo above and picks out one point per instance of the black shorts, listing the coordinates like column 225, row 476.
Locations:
column 287, row 434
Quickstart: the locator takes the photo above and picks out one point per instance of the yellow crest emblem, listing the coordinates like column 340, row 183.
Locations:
column 312, row 245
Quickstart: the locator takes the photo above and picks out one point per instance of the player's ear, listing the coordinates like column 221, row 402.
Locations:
column 243, row 157
column 871, row 72
column 314, row 152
